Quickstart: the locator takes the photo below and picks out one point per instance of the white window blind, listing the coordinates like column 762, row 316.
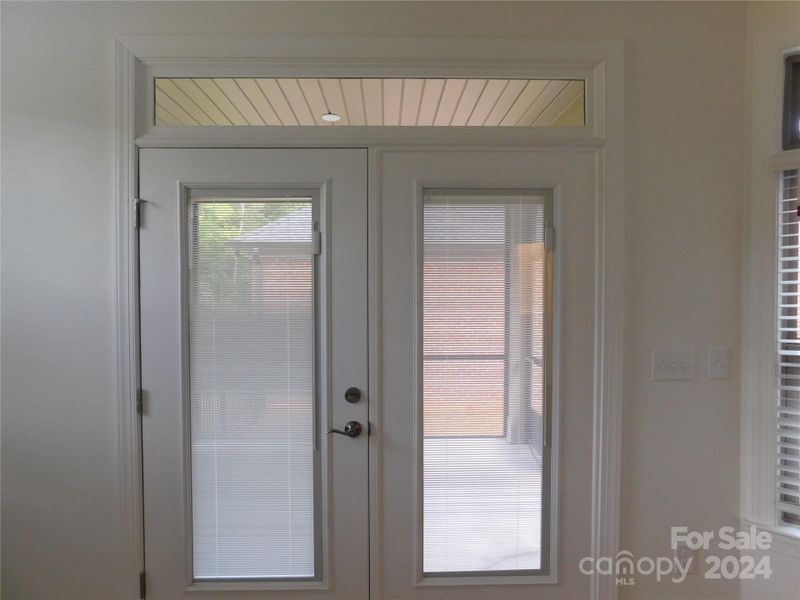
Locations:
column 788, row 408
column 485, row 373
column 251, row 374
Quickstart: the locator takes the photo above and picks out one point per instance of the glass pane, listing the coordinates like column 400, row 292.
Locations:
column 251, row 349
column 791, row 103
column 480, row 402
column 484, row 376
column 374, row 101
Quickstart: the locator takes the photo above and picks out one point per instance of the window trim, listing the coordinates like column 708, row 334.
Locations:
column 758, row 374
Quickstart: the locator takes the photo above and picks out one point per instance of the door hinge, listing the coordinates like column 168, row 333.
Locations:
column 549, row 238
column 548, row 403
column 142, row 586
column 137, row 211
column 140, row 401
column 317, row 242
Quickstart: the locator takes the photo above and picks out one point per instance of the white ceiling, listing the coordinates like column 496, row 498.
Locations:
column 375, row 101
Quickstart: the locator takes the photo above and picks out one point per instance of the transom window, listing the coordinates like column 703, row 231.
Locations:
column 404, row 102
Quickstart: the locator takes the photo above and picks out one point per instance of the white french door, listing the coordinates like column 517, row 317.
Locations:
column 474, row 480
column 253, row 279
column 485, row 396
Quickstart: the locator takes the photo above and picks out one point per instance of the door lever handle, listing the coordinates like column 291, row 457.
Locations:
column 351, row 429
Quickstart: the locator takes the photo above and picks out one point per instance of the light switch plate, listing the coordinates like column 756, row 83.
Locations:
column 672, row 365
column 719, row 362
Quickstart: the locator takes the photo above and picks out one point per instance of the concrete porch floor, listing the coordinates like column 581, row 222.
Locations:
column 482, row 505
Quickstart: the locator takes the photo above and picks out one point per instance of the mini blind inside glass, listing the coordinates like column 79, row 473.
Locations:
column 371, row 101
column 788, row 402
column 486, row 284
column 252, row 388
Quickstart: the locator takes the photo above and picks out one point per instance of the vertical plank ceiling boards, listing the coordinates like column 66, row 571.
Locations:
column 442, row 102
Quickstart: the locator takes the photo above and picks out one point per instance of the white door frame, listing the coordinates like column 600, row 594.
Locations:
column 598, row 62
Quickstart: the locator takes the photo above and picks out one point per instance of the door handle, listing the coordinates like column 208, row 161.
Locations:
column 351, row 429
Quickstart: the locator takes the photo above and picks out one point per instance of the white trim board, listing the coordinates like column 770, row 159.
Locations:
column 127, row 333
column 287, row 56
column 599, row 62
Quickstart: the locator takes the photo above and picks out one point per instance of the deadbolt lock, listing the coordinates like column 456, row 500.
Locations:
column 352, row 395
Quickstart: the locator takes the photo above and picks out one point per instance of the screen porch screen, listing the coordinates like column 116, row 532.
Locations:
column 485, row 315
column 251, row 373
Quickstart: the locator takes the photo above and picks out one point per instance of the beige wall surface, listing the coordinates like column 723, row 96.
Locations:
column 684, row 160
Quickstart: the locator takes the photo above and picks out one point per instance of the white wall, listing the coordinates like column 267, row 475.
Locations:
column 685, row 139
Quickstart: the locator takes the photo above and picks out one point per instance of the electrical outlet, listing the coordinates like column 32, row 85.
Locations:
column 719, row 363
column 672, row 365
column 684, row 554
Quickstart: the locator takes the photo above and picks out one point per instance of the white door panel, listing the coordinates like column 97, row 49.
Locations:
column 244, row 366
column 444, row 533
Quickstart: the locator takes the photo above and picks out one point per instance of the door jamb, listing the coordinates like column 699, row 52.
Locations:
column 601, row 60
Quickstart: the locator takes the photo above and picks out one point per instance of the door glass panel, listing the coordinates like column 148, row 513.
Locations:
column 485, row 332
column 251, row 323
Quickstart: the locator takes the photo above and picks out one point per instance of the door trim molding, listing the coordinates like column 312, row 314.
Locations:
column 127, row 320
column 137, row 58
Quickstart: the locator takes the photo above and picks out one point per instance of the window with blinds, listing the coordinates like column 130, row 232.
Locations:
column 251, row 323
column 486, row 284
column 788, row 405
